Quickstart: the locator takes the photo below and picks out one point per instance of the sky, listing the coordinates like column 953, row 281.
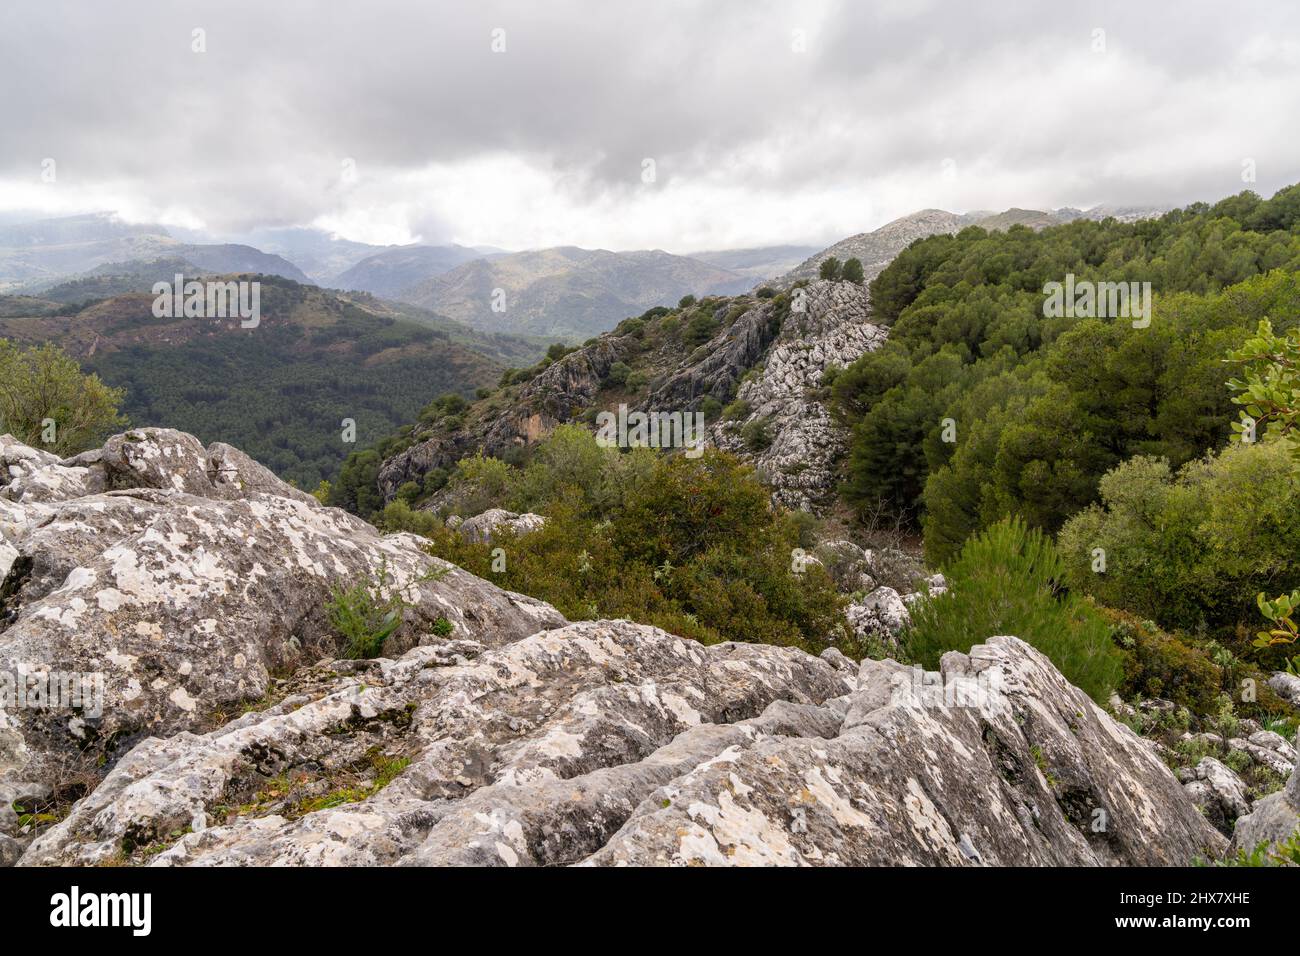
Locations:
column 628, row 125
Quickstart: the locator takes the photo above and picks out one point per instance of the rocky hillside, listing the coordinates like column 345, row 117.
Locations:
column 876, row 249
column 753, row 366
column 567, row 292
column 781, row 421
column 491, row 731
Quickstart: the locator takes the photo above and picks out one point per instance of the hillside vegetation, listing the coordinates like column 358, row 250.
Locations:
column 281, row 390
column 1042, row 407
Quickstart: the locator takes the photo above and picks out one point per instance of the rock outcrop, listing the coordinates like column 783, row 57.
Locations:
column 481, row 527
column 177, row 579
column 610, row 742
column 1274, row 819
column 1218, row 792
column 800, row 443
column 881, row 616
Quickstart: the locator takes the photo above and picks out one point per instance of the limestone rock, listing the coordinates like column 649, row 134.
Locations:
column 1286, row 686
column 1219, row 793
column 1036, row 774
column 805, row 443
column 848, row 564
column 1275, row 818
column 482, row 527
column 533, row 752
column 184, row 587
column 881, row 615
column 609, row 742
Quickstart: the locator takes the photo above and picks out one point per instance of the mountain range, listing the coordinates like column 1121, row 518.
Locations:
column 877, row 248
column 567, row 292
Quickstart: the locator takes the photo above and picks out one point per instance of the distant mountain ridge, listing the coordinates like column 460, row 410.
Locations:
column 568, row 292
column 48, row 252
column 877, row 249
column 390, row 272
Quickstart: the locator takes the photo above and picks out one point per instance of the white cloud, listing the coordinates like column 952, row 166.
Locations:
column 753, row 142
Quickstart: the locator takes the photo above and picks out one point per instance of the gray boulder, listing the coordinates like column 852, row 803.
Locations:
column 483, row 526
column 1286, row 686
column 1275, row 818
column 881, row 616
column 1218, row 792
column 607, row 742
column 183, row 588
column 996, row 760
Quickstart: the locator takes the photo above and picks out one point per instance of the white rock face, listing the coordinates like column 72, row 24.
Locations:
column 805, row 443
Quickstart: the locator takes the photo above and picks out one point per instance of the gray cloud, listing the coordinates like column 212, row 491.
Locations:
column 893, row 106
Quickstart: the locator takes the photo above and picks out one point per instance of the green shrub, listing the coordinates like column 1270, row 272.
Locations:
column 830, row 268
column 41, row 386
column 685, row 302
column 1194, row 549
column 1283, row 853
column 363, row 616
column 710, row 408
column 398, row 515
column 1158, row 664
column 736, row 410
column 689, row 545
column 757, row 434
column 618, row 373
column 1004, row 581
column 632, row 327
column 434, row 480
column 699, row 330
column 853, row 271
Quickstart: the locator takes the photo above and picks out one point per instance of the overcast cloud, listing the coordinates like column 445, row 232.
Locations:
column 892, row 107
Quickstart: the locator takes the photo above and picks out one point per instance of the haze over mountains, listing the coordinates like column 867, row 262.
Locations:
column 565, row 293
column 568, row 292
column 361, row 331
